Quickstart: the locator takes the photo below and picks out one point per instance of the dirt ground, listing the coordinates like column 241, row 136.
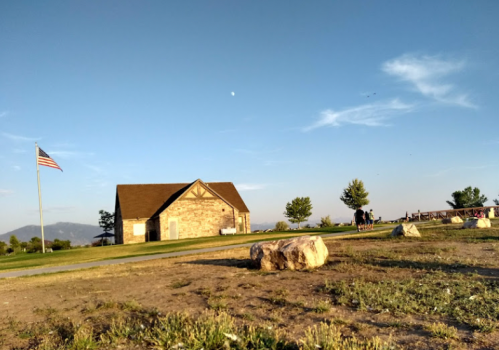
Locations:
column 227, row 282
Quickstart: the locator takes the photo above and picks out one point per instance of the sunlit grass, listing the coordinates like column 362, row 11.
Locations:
column 76, row 256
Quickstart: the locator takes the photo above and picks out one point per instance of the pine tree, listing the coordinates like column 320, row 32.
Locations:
column 355, row 195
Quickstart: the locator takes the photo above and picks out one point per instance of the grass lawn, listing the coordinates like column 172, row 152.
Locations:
column 23, row 261
column 375, row 292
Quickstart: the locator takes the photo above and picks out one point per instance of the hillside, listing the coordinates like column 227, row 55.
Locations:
column 78, row 234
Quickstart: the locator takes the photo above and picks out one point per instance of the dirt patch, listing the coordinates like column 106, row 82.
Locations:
column 288, row 300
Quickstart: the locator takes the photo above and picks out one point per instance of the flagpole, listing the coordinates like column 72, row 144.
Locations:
column 40, row 198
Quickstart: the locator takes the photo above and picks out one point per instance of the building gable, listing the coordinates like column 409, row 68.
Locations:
column 149, row 200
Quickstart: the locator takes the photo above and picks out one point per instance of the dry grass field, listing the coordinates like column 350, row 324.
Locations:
column 375, row 292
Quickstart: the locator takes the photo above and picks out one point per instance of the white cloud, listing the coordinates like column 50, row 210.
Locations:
column 55, row 209
column 20, row 138
column 3, row 114
column 257, row 153
column 375, row 114
column 250, row 187
column 426, row 73
column 95, row 168
column 16, row 167
column 5, row 193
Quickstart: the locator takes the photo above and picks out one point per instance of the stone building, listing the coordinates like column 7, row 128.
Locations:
column 158, row 212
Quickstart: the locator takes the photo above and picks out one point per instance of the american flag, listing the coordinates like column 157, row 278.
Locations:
column 44, row 159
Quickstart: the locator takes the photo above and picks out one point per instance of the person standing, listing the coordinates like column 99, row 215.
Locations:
column 366, row 218
column 359, row 219
column 371, row 219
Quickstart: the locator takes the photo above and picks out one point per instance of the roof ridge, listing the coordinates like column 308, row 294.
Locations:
column 169, row 183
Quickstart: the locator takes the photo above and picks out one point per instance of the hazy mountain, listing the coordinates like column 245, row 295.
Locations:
column 78, row 234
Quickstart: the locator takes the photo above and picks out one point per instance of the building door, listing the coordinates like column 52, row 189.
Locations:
column 173, row 228
column 241, row 224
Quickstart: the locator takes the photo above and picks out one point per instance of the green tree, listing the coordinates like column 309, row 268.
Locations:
column 468, row 198
column 3, row 248
column 355, row 195
column 61, row 245
column 34, row 245
column 14, row 242
column 281, row 226
column 299, row 210
column 496, row 201
column 106, row 220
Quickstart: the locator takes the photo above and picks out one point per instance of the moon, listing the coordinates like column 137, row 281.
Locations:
column 232, row 93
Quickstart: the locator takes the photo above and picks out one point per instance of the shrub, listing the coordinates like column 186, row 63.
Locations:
column 60, row 245
column 281, row 226
column 326, row 222
column 101, row 242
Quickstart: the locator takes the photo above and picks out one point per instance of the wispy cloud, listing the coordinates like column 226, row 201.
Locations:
column 5, row 193
column 426, row 74
column 4, row 114
column 250, row 187
column 97, row 183
column 54, row 209
column 95, row 168
column 375, row 114
column 16, row 167
column 19, row 137
column 255, row 152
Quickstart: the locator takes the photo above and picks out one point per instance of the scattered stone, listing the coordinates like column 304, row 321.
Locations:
column 406, row 230
column 453, row 220
column 479, row 223
column 294, row 254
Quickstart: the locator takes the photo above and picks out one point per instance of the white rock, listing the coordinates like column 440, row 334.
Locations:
column 453, row 220
column 406, row 230
column 479, row 223
column 294, row 254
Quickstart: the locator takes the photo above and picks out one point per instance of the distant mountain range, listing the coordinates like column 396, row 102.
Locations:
column 78, row 234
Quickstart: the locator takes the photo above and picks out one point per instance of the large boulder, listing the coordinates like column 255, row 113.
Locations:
column 294, row 254
column 479, row 223
column 406, row 230
column 453, row 220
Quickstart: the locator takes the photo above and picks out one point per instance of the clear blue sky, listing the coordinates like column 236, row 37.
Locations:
column 402, row 95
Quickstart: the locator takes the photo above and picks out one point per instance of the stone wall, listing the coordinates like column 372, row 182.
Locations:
column 247, row 223
column 128, row 230
column 198, row 217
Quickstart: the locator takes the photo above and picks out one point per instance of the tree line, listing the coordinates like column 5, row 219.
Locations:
column 355, row 196
column 34, row 245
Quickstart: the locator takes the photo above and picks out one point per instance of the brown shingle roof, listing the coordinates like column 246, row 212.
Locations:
column 148, row 200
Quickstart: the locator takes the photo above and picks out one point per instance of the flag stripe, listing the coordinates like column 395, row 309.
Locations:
column 45, row 160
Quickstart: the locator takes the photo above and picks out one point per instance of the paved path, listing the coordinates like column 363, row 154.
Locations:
column 53, row 269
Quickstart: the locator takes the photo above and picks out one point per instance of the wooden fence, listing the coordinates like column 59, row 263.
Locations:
column 462, row 213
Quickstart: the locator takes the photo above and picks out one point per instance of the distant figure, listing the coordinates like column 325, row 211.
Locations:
column 366, row 217
column 359, row 219
column 371, row 219
column 406, row 217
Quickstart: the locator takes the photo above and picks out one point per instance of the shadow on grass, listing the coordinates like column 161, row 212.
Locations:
column 239, row 263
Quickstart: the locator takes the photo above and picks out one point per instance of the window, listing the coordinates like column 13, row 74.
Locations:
column 139, row 229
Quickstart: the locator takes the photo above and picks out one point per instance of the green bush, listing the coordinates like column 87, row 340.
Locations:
column 281, row 226
column 326, row 222
column 61, row 245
